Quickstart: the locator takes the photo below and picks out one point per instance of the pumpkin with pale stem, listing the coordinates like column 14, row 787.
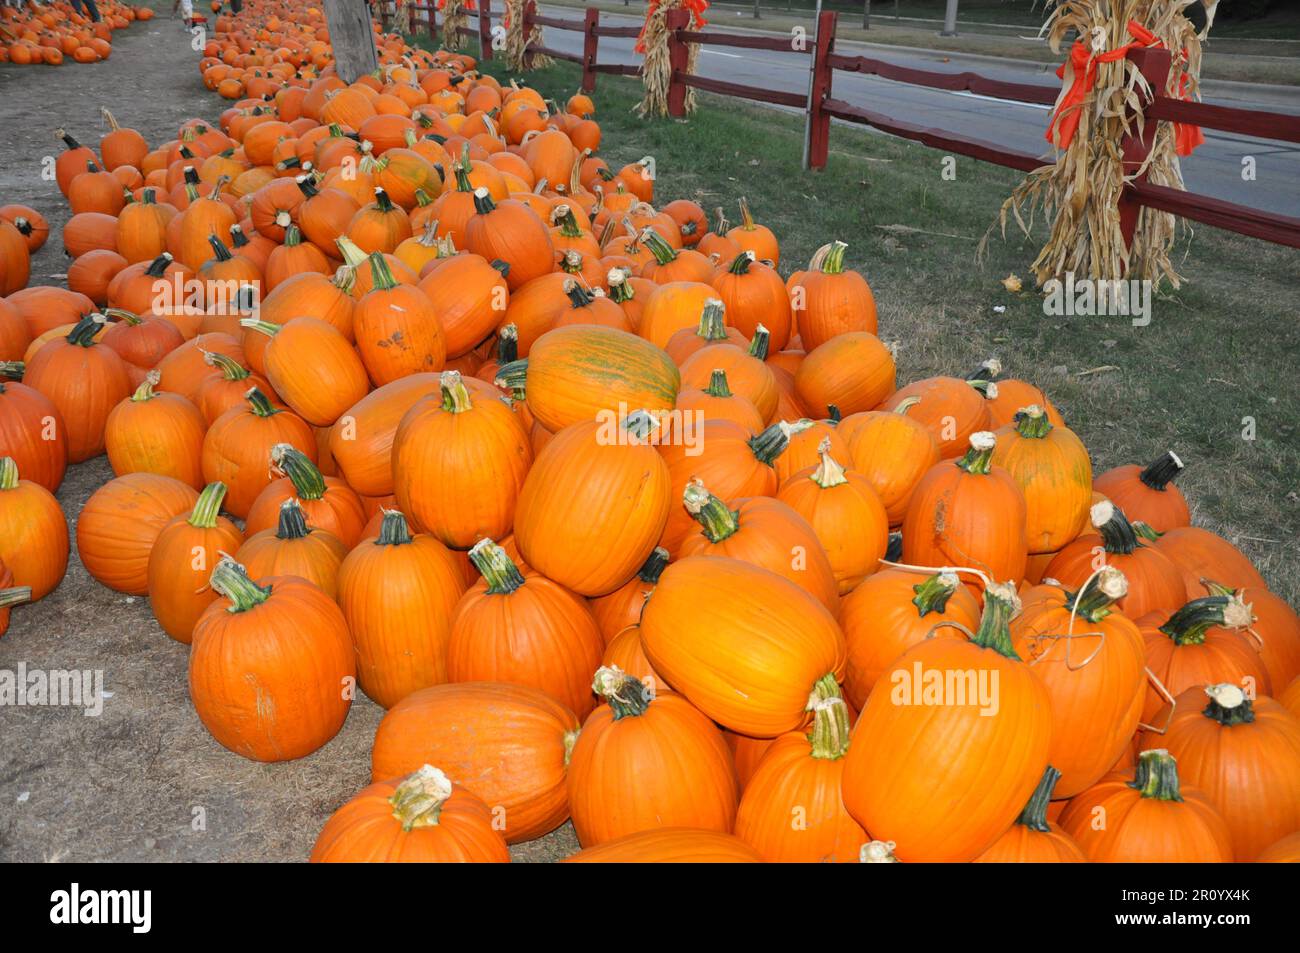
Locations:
column 1148, row 493
column 1052, row 467
column 151, row 432
column 830, row 300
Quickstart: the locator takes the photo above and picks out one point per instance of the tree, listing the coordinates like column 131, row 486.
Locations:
column 352, row 37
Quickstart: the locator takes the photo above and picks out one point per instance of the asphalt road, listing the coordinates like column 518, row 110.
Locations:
column 1216, row 169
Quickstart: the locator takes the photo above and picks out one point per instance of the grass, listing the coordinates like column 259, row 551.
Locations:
column 1221, row 349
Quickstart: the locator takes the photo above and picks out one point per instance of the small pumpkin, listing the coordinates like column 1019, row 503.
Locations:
column 328, row 503
column 238, row 445
column 33, row 533
column 1033, row 839
column 1052, row 467
column 294, row 549
column 118, row 526
column 1148, row 493
column 830, row 300
column 156, row 433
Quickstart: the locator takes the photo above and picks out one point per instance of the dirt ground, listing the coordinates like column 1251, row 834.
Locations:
column 143, row 781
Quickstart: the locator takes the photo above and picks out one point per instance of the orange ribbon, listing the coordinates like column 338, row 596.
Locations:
column 1079, row 72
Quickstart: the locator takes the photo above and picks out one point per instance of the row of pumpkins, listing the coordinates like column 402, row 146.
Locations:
column 52, row 33
column 404, row 387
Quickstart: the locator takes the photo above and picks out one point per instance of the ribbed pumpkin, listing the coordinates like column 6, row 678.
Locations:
column 183, row 556
column 313, row 367
column 1275, row 630
column 753, row 294
column 853, row 372
column 743, row 644
column 643, row 761
column 270, row 665
column 1244, row 756
column 1148, row 493
column 156, row 433
column 421, row 818
column 509, row 744
column 459, row 461
column 33, row 532
column 294, row 549
column 765, row 532
column 237, row 447
column 1154, row 582
column 1203, row 643
column 527, row 630
column 669, row 845
column 792, row 810
column 844, row 511
column 622, row 607
column 397, row 330
column 311, row 295
column 670, row 308
column 889, row 613
column 469, row 294
column 118, row 526
column 1201, row 554
column 327, row 502
column 1091, row 659
column 511, row 232
column 574, row 374
column 594, row 504
column 952, row 408
column 892, row 451
column 747, row 373
column 711, row 329
column 398, row 593
column 944, row 775
column 361, row 441
column 968, row 513
column 1052, row 467
column 1033, row 839
column 226, row 386
column 829, row 300
column 32, row 433
column 85, row 381
column 1151, row 817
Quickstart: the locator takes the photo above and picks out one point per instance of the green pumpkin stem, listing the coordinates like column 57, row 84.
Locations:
column 1157, row 776
column 663, row 253
column 307, row 480
column 496, row 568
column 1189, row 624
column 1160, row 472
column 579, row 297
column 230, row 579
column 208, row 505
column 932, row 593
column 393, row 529
column 829, row 259
column 1097, row 599
column 83, row 333
column 979, row 458
column 15, row 596
column 625, row 695
column 417, row 802
column 620, row 289
column 382, row 201
column 1000, row 606
column 713, row 321
column 718, row 386
column 718, row 520
column 259, row 403
column 8, row 473
column 1228, row 705
column 384, row 280
column 830, row 731
column 1145, row 532
column 653, row 566
column 293, row 522
column 1032, row 422
column 1117, row 533
column 292, row 237
column 483, row 203
column 12, row 370
column 219, row 249
column 455, row 396
column 146, row 389
column 508, row 345
column 264, row 327
column 567, row 222
column 513, row 377
column 1034, row 816
column 740, row 265
column 771, row 442
column 158, row 267
column 758, row 346
column 230, row 368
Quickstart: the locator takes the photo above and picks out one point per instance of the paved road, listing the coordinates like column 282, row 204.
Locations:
column 1214, row 170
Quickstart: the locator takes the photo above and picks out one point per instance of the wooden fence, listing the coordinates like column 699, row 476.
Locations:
column 821, row 105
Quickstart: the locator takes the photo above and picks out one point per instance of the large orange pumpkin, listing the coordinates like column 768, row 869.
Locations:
column 118, row 526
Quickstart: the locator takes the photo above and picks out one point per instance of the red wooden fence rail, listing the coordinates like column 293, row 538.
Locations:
column 821, row 107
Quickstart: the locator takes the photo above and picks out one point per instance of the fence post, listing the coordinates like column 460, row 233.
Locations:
column 410, row 18
column 589, row 43
column 1153, row 64
column 678, row 59
column 485, row 29
column 433, row 28
column 817, row 144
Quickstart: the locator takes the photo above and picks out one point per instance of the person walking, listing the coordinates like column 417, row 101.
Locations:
column 90, row 5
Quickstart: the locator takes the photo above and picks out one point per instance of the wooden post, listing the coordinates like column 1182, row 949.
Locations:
column 678, row 60
column 352, row 39
column 1153, row 64
column 485, row 29
column 450, row 42
column 589, row 43
column 819, row 124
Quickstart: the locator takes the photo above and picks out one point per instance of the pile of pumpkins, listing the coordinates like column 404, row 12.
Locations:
column 53, row 33
column 406, row 389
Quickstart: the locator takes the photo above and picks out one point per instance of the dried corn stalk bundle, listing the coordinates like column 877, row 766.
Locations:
column 455, row 17
column 517, row 44
column 656, row 69
column 1103, row 94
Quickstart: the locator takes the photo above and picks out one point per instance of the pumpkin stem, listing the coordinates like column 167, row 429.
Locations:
column 231, row 580
column 1145, row 532
column 455, row 397
column 121, row 314
column 625, row 695
column 1189, row 624
column 158, row 267
column 1096, row 600
column 293, row 237
column 292, row 523
column 384, row 280
column 15, row 596
column 579, row 296
column 230, row 368
column 1160, row 472
column 1116, row 532
column 208, row 505
column 418, row 800
column 8, row 473
column 219, row 249
column 1034, row 816
column 640, row 426
column 979, row 458
column 302, row 473
column 828, row 473
column 932, row 594
column 620, row 289
column 12, row 370
column 772, row 441
column 83, row 333
column 508, row 345
column 568, row 223
column 1157, row 775
column 1032, row 422
column 719, row 520
column 740, row 266
column 746, row 217
column 483, row 203
column 830, row 731
column 833, row 415
column 496, row 567
column 829, row 259
column 878, row 852
column 1001, row 604
column 718, row 386
column 238, row 238
column 353, row 256
column 653, row 566
column 259, row 403
column 663, row 253
column 1228, row 705
column 758, row 346
column 513, row 377
column 23, row 226
column 145, row 391
column 393, row 529
column 382, row 201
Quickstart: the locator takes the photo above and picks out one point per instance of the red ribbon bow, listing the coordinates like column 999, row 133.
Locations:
column 697, row 8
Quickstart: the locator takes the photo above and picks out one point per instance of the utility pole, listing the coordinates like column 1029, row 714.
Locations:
column 950, row 20
column 352, row 38
column 866, row 14
column 756, row 14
